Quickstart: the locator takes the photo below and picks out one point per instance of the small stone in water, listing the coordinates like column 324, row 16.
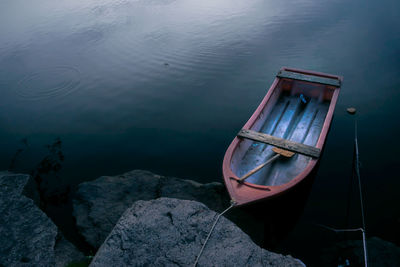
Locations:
column 351, row 110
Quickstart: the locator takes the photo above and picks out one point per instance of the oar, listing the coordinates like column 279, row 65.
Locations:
column 279, row 152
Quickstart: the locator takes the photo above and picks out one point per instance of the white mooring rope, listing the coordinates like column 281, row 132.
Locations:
column 351, row 230
column 233, row 203
column 357, row 165
column 356, row 169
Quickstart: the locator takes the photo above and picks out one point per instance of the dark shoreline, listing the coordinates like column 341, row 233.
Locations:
column 97, row 207
column 121, row 192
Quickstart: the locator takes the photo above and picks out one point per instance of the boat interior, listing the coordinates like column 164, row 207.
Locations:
column 295, row 111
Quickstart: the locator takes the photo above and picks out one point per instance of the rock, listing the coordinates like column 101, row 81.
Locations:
column 99, row 204
column 65, row 252
column 213, row 195
column 380, row 253
column 27, row 236
column 13, row 184
column 170, row 232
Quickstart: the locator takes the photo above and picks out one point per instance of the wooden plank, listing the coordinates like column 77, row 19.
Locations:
column 308, row 78
column 281, row 143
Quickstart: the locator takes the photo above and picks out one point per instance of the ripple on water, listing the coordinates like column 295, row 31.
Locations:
column 48, row 83
column 161, row 48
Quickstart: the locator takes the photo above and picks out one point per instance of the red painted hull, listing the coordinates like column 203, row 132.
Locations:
column 248, row 193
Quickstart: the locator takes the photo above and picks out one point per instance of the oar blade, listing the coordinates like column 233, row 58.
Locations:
column 283, row 152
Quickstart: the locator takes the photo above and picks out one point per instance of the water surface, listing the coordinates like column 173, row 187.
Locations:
column 165, row 85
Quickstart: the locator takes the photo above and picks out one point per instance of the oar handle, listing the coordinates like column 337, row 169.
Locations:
column 259, row 167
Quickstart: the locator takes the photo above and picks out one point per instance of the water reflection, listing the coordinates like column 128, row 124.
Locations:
column 117, row 106
column 277, row 217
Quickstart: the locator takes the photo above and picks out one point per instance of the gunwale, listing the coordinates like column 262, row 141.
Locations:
column 246, row 193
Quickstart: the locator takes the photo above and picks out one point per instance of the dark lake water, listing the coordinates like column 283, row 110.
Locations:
column 165, row 85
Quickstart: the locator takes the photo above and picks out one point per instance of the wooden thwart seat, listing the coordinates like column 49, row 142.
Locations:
column 308, row 78
column 281, row 143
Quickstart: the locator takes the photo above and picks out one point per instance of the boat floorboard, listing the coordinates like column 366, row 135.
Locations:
column 290, row 119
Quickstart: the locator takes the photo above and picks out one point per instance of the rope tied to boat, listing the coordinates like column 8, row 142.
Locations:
column 356, row 170
column 362, row 230
column 233, row 203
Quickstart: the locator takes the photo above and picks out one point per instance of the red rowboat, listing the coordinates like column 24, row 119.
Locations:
column 294, row 117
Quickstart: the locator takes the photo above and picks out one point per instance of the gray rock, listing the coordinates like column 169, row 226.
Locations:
column 170, row 232
column 213, row 195
column 99, row 204
column 13, row 184
column 65, row 252
column 380, row 253
column 27, row 235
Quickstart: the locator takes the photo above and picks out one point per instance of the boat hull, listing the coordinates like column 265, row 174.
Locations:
column 281, row 113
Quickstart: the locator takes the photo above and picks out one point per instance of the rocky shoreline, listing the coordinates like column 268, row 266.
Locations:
column 137, row 219
column 27, row 236
column 170, row 232
column 99, row 204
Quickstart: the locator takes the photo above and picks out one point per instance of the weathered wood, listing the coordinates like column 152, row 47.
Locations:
column 283, row 152
column 308, row 78
column 259, row 167
column 279, row 152
column 281, row 143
